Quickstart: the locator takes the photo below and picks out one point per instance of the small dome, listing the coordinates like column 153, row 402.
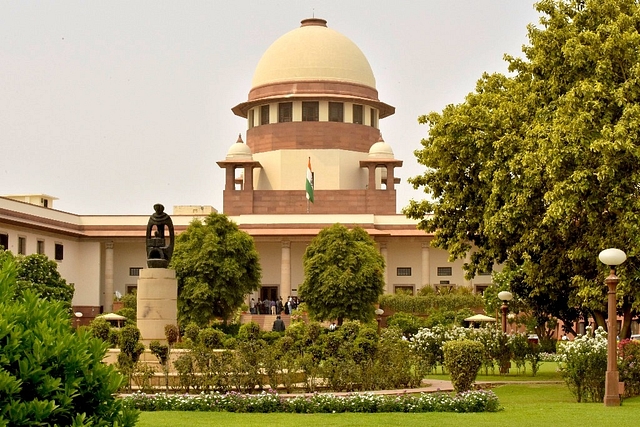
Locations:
column 381, row 150
column 239, row 151
column 313, row 52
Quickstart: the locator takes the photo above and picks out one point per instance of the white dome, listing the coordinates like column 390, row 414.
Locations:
column 313, row 52
column 381, row 150
column 239, row 151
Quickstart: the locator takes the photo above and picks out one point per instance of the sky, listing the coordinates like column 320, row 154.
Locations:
column 113, row 106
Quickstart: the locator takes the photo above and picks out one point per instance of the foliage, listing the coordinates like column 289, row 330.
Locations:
column 50, row 375
column 38, row 273
column 408, row 323
column 583, row 364
column 629, row 366
column 216, row 265
column 130, row 350
column 171, row 333
column 211, row 338
column 539, row 171
column 267, row 402
column 100, row 328
column 463, row 359
column 427, row 303
column 340, row 264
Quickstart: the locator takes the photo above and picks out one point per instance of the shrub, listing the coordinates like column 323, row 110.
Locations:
column 211, row 338
column 265, row 402
column 171, row 333
column 583, row 364
column 50, row 375
column 249, row 331
column 100, row 328
column 629, row 366
column 192, row 331
column 407, row 322
column 463, row 359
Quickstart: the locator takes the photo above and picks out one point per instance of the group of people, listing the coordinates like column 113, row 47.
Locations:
column 277, row 306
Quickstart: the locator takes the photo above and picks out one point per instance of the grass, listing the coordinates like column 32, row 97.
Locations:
column 524, row 405
column 548, row 372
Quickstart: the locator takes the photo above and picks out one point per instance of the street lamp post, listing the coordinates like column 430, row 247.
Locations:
column 612, row 257
column 78, row 315
column 379, row 313
column 505, row 296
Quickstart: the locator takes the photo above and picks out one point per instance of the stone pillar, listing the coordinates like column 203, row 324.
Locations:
column 157, row 303
column 248, row 178
column 426, row 266
column 384, row 252
column 108, row 277
column 285, row 270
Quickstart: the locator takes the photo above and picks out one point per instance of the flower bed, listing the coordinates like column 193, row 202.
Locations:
column 265, row 402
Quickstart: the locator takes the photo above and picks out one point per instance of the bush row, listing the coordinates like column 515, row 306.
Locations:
column 267, row 402
column 433, row 301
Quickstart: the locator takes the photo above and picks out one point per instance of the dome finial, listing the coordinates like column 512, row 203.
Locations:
column 380, row 139
column 240, row 141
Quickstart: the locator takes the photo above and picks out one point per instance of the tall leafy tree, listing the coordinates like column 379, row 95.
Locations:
column 216, row 265
column 344, row 275
column 540, row 170
column 40, row 274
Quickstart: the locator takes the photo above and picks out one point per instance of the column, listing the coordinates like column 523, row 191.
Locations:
column 285, row 270
column 384, row 252
column 426, row 265
column 108, row 277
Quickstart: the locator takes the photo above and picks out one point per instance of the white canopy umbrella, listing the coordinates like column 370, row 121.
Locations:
column 480, row 318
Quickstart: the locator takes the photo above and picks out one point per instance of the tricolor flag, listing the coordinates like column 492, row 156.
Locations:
column 309, row 182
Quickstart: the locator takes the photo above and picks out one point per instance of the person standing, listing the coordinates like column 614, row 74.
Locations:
column 278, row 325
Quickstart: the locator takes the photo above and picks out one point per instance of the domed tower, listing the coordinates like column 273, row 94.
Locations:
column 313, row 100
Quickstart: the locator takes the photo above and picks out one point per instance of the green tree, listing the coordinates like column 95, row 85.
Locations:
column 344, row 275
column 38, row 273
column 217, row 265
column 539, row 170
column 49, row 374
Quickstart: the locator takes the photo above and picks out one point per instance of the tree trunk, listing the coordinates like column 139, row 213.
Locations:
column 625, row 329
column 600, row 319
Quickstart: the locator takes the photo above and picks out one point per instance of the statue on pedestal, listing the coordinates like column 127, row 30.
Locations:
column 159, row 251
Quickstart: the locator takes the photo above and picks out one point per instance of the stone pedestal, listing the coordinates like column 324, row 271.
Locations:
column 157, row 303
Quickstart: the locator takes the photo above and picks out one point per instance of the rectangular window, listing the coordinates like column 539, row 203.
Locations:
column 44, row 202
column 4, row 241
column 485, row 273
column 22, row 245
column 374, row 118
column 310, row 111
column 264, row 115
column 134, row 271
column 403, row 271
column 59, row 252
column 251, row 118
column 444, row 271
column 357, row 114
column 40, row 247
column 336, row 112
column 285, row 112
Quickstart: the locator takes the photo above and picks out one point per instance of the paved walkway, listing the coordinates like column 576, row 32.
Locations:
column 432, row 386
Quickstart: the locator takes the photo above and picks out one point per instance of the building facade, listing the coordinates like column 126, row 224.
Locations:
column 312, row 101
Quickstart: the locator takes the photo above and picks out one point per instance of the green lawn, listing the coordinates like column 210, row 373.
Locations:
column 548, row 372
column 546, row 405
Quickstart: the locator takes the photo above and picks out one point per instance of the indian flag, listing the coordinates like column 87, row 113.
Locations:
column 309, row 182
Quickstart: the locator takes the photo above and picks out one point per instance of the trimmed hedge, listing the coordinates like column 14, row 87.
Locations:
column 463, row 359
column 430, row 303
column 267, row 402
